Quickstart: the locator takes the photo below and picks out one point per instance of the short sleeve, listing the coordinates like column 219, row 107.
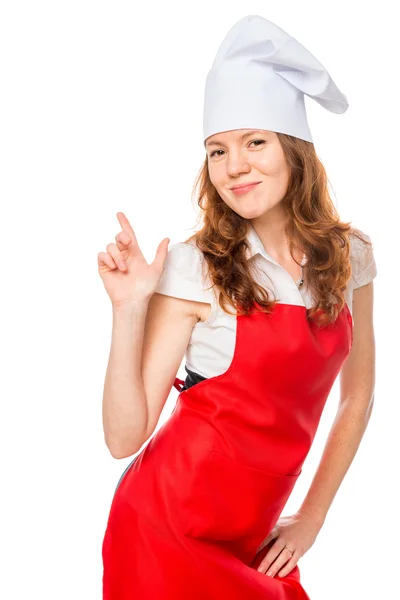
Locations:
column 362, row 262
column 183, row 274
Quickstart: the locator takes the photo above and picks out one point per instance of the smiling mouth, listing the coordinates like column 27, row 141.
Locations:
column 244, row 189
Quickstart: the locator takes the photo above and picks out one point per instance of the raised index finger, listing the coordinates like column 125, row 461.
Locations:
column 126, row 226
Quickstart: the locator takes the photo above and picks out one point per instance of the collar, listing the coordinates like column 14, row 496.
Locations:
column 257, row 247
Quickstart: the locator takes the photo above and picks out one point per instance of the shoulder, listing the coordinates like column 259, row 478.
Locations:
column 362, row 259
column 183, row 274
column 182, row 254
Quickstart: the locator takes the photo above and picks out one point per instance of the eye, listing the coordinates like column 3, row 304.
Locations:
column 261, row 141
column 215, row 152
column 252, row 142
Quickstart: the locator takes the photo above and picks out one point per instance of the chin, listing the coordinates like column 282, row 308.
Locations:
column 251, row 212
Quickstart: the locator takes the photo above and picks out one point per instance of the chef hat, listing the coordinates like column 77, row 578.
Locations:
column 258, row 80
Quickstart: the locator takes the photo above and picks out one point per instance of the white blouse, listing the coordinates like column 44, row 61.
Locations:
column 211, row 346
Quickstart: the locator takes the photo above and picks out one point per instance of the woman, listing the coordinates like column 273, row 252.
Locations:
column 262, row 301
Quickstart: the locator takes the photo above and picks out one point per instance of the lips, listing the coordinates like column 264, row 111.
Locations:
column 244, row 189
column 243, row 185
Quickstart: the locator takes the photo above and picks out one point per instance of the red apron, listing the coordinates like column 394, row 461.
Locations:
column 197, row 501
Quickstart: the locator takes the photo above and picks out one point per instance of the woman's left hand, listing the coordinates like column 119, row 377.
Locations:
column 296, row 532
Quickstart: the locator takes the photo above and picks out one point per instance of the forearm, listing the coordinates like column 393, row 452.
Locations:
column 343, row 441
column 124, row 399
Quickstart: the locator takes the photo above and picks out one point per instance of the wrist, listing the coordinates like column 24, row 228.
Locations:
column 137, row 305
column 317, row 518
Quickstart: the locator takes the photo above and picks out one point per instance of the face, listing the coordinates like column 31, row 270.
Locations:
column 243, row 156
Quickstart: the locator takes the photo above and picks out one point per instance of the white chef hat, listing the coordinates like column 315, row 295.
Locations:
column 258, row 80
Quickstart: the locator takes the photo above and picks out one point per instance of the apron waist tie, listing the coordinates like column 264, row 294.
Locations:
column 179, row 384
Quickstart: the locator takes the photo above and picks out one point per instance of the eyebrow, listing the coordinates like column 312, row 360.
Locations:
column 242, row 137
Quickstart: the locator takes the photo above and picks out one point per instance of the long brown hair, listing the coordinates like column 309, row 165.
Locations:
column 313, row 225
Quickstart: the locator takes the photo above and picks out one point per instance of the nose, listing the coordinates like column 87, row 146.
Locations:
column 237, row 163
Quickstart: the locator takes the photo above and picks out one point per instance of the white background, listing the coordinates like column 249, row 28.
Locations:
column 101, row 111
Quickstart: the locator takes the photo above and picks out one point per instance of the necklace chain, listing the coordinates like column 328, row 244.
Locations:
column 301, row 280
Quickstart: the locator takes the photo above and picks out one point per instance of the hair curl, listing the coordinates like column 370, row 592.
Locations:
column 313, row 225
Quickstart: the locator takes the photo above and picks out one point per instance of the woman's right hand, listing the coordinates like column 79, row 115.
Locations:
column 125, row 273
